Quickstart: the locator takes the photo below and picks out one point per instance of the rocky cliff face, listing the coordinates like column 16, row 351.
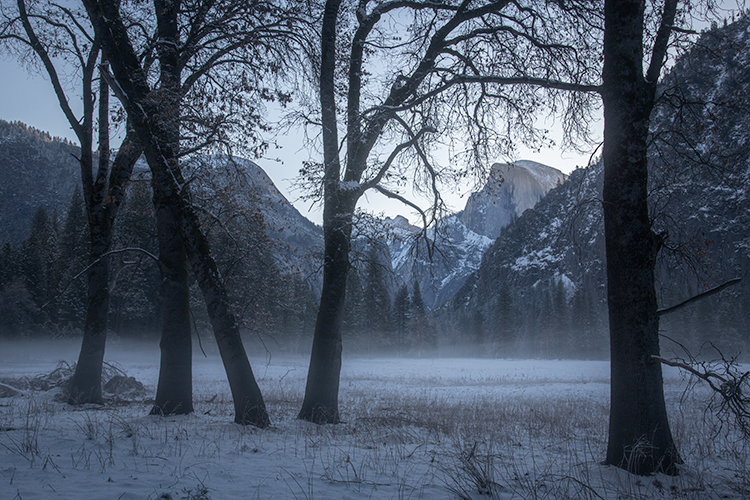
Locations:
column 511, row 189
column 40, row 170
column 462, row 238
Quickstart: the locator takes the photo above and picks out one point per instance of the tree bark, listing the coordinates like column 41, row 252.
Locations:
column 322, row 389
column 103, row 200
column 249, row 408
column 174, row 391
column 640, row 439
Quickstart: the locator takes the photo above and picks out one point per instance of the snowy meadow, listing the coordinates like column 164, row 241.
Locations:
column 440, row 428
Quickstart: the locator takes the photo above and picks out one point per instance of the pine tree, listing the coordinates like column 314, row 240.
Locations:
column 423, row 336
column 376, row 298
column 244, row 256
column 561, row 341
column 38, row 252
column 134, row 301
column 505, row 318
column 70, row 307
column 17, row 310
column 400, row 318
column 417, row 302
column 545, row 324
column 354, row 309
column 7, row 265
column 477, row 329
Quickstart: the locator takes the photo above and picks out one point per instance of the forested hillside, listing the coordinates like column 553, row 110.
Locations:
column 540, row 289
column 35, row 169
column 266, row 253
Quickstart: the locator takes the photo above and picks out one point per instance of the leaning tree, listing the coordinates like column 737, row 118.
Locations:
column 413, row 78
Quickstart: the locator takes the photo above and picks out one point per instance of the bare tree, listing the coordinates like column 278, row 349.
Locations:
column 192, row 41
column 724, row 375
column 640, row 439
column 413, row 74
column 54, row 32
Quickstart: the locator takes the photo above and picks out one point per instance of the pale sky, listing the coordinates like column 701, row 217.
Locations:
column 29, row 98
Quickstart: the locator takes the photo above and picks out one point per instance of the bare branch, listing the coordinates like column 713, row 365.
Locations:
column 702, row 295
column 396, row 151
column 44, row 56
column 92, row 264
column 661, row 44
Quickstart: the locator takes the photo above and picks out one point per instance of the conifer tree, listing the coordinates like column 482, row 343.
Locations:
column 17, row 310
column 7, row 265
column 70, row 306
column 417, row 303
column 559, row 327
column 505, row 317
column 422, row 334
column 376, row 298
column 354, row 308
column 135, row 277
column 400, row 318
column 37, row 260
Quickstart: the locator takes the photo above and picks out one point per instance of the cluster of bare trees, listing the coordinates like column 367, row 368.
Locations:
column 395, row 82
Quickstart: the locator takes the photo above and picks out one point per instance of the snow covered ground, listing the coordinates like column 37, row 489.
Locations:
column 414, row 428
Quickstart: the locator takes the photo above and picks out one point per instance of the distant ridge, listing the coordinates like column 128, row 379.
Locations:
column 510, row 190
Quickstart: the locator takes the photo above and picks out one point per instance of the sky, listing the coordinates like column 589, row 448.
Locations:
column 28, row 97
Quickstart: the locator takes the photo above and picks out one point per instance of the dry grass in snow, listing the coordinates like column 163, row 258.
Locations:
column 414, row 429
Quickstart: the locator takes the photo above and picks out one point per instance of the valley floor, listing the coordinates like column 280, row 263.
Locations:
column 414, row 429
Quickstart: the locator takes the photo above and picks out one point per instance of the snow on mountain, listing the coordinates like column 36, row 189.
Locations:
column 440, row 263
column 463, row 238
column 699, row 163
column 221, row 184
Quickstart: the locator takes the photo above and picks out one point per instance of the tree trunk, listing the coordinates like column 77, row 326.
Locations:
column 174, row 392
column 640, row 439
column 141, row 104
column 249, row 408
column 103, row 202
column 321, row 403
column 322, row 390
column 86, row 384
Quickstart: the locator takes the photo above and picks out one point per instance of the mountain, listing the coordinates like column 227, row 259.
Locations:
column 36, row 170
column 462, row 238
column 242, row 185
column 40, row 170
column 511, row 189
column 540, row 288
